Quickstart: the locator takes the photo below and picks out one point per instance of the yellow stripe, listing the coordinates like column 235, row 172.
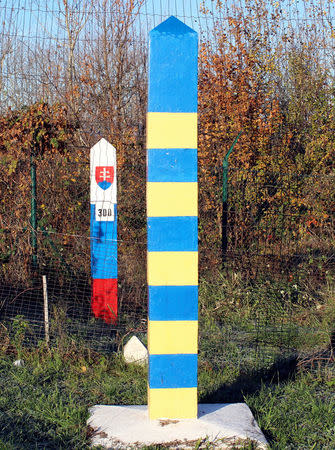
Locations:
column 172, row 130
column 172, row 268
column 178, row 403
column 172, row 199
column 169, row 337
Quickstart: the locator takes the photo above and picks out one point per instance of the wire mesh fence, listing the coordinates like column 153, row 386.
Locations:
column 73, row 72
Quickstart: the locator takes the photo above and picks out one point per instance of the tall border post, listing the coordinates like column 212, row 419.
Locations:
column 172, row 210
column 103, row 230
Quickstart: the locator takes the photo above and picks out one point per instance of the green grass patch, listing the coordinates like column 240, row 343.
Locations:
column 299, row 413
column 45, row 403
column 252, row 337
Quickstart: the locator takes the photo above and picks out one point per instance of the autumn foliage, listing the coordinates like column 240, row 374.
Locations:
column 274, row 90
column 272, row 86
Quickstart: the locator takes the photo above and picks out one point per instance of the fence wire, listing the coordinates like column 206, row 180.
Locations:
column 72, row 72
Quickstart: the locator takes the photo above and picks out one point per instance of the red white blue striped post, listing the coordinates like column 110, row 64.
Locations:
column 103, row 177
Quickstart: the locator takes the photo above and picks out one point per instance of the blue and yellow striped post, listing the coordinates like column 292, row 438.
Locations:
column 172, row 209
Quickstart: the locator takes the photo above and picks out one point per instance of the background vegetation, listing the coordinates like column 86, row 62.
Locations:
column 73, row 72
column 261, row 72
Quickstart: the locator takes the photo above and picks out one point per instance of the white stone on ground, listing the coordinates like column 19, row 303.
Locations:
column 135, row 352
column 223, row 425
column 18, row 363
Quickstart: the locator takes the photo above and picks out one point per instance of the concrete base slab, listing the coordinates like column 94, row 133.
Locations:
column 223, row 425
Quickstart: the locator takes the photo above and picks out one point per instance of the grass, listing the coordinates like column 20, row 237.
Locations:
column 44, row 404
column 299, row 413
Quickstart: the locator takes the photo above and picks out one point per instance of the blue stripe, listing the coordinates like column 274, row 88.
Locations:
column 175, row 164
column 173, row 75
column 172, row 371
column 173, row 302
column 103, row 247
column 173, row 234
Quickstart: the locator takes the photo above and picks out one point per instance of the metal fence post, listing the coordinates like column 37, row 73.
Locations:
column 225, row 167
column 33, row 214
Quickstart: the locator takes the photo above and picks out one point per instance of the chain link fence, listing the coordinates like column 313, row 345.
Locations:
column 73, row 72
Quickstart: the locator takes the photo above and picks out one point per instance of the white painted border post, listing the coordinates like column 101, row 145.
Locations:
column 46, row 310
column 103, row 177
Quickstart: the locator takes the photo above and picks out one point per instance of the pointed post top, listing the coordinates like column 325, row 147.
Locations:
column 173, row 68
column 174, row 26
column 103, row 144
